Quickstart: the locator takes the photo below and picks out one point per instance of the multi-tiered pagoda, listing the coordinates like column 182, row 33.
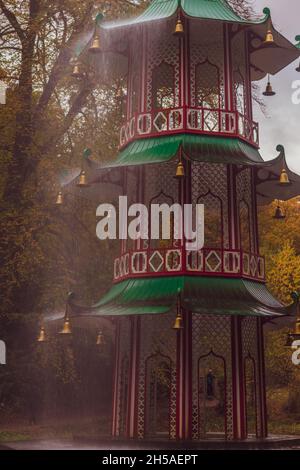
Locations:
column 190, row 66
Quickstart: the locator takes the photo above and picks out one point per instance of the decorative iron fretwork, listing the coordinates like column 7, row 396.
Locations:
column 245, row 209
column 163, row 50
column 122, row 375
column 159, row 341
column 207, row 67
column 211, row 339
column 209, row 186
column 250, row 352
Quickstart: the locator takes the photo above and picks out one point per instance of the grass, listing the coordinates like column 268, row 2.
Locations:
column 89, row 427
column 284, row 427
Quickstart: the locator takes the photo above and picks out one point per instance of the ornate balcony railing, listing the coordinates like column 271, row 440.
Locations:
column 191, row 120
column 206, row 262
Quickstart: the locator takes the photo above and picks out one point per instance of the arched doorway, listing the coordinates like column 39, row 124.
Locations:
column 212, row 396
column 158, row 391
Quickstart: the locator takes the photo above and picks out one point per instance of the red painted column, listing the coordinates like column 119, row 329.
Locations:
column 261, row 378
column 116, row 379
column 132, row 409
column 184, row 381
column 238, row 387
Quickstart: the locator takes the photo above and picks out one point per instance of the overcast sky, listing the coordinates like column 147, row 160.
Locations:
column 282, row 126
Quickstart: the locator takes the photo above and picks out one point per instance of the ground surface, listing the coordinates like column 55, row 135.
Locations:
column 282, row 443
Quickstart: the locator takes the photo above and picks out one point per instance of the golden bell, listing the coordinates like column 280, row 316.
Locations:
column 278, row 214
column 82, row 180
column 60, row 199
column 179, row 31
column 66, row 329
column 100, row 339
column 297, row 327
column 178, row 322
column 180, row 170
column 269, row 39
column 42, row 335
column 95, row 47
column 76, row 73
column 269, row 90
column 284, row 178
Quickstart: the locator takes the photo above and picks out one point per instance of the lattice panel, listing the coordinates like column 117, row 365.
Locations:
column 239, row 65
column 212, row 178
column 207, row 47
column 244, row 193
column 158, row 337
column 162, row 47
column 135, row 73
column 250, row 349
column 132, row 193
column 160, row 179
column 211, row 334
column 124, row 351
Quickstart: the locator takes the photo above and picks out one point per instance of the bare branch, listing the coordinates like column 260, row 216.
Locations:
column 11, row 17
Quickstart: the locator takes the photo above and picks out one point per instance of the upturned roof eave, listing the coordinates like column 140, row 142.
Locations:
column 159, row 11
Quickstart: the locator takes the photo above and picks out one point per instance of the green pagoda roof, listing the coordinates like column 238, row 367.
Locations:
column 201, row 9
column 200, row 148
column 198, row 294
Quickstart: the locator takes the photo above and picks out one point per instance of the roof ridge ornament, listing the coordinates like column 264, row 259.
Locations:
column 267, row 12
column 280, row 148
column 297, row 38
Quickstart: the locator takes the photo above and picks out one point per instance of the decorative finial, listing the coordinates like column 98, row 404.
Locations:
column 87, row 153
column 99, row 18
column 280, row 149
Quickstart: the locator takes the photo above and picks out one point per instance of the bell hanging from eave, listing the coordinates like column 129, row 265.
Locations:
column 179, row 30
column 66, row 329
column 297, row 323
column 269, row 39
column 59, row 199
column 178, row 325
column 180, row 173
column 42, row 335
column 284, row 178
column 95, row 47
column 100, row 339
column 77, row 73
column 279, row 215
column 298, row 68
column 269, row 90
column 82, row 183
